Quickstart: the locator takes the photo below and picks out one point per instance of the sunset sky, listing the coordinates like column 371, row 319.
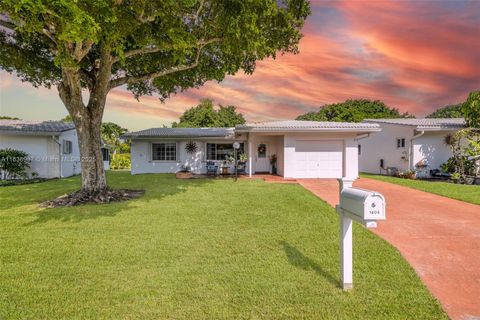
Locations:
column 415, row 56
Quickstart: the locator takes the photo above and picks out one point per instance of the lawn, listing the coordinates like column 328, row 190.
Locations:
column 467, row 193
column 194, row 249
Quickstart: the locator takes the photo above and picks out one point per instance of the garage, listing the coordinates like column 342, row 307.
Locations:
column 318, row 159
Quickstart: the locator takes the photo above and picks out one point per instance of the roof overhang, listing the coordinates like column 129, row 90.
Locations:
column 32, row 133
column 307, row 130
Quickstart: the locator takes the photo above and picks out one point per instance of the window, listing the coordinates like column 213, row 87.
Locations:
column 221, row 151
column 105, row 154
column 67, row 146
column 164, row 151
column 359, row 149
column 400, row 143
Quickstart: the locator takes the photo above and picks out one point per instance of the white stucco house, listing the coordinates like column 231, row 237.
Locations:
column 52, row 146
column 304, row 149
column 407, row 144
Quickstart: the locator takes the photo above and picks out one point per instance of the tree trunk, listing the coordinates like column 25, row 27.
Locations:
column 89, row 142
column 88, row 121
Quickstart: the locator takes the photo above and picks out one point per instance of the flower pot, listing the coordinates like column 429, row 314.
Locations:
column 183, row 175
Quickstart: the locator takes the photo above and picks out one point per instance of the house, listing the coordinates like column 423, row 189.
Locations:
column 51, row 145
column 407, row 144
column 304, row 149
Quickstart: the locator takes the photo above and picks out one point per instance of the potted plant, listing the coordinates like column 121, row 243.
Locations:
column 273, row 163
column 184, row 173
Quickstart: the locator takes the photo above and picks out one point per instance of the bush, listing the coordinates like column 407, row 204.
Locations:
column 451, row 165
column 13, row 163
column 120, row 161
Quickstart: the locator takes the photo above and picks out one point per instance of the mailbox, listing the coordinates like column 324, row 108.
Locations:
column 363, row 204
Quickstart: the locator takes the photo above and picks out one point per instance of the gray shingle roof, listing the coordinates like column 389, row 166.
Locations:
column 298, row 125
column 35, row 127
column 424, row 123
column 181, row 133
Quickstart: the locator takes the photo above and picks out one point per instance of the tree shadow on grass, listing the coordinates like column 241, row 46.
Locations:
column 298, row 259
column 165, row 188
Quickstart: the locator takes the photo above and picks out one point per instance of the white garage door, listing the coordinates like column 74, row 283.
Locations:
column 318, row 158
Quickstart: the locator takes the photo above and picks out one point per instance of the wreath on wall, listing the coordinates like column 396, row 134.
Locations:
column 191, row 147
column 261, row 149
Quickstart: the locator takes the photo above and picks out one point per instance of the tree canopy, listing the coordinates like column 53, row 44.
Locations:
column 471, row 110
column 8, row 118
column 205, row 115
column 147, row 47
column 354, row 111
column 451, row 111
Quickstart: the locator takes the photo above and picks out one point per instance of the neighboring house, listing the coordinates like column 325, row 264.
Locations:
column 407, row 144
column 51, row 145
column 304, row 149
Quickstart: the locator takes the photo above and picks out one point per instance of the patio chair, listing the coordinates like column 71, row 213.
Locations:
column 241, row 168
column 212, row 168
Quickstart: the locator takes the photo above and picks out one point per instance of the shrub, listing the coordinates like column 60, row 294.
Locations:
column 120, row 161
column 451, row 166
column 13, row 163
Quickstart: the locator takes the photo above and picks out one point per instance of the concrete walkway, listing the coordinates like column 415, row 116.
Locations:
column 438, row 236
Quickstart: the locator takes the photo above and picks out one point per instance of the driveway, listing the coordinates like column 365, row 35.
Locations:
column 439, row 237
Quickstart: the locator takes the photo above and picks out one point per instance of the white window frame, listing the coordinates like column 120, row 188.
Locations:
column 401, row 143
column 67, row 146
column 164, row 142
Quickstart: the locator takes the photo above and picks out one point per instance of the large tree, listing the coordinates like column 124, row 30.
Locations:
column 145, row 46
column 205, row 115
column 471, row 110
column 452, row 111
column 353, row 111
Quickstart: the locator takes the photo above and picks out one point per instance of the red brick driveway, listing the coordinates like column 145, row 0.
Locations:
column 439, row 237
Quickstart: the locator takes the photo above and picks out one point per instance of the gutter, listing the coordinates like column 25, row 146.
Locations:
column 364, row 136
column 59, row 156
column 410, row 150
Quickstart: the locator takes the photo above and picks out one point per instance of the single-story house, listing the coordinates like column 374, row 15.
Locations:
column 304, row 149
column 52, row 146
column 407, row 144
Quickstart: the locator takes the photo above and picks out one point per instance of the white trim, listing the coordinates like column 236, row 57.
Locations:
column 163, row 161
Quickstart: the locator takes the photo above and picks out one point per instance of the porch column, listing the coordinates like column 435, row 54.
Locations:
column 350, row 158
column 249, row 157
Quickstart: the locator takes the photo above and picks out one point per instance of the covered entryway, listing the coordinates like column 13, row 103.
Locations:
column 318, row 159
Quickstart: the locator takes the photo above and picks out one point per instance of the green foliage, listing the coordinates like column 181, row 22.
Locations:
column 67, row 118
column 204, row 116
column 452, row 111
column 471, row 109
column 14, row 163
column 120, row 161
column 451, row 166
column 111, row 133
column 179, row 44
column 354, row 111
column 8, row 118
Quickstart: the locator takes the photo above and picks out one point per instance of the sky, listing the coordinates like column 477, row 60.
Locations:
column 416, row 56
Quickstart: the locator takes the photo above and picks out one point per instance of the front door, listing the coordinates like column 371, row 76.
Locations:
column 262, row 163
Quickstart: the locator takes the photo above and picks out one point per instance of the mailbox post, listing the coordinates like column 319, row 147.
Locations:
column 363, row 206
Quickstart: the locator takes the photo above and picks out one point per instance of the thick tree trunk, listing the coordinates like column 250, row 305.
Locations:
column 88, row 120
column 89, row 141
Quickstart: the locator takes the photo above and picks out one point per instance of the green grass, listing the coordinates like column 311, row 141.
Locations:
column 194, row 249
column 467, row 193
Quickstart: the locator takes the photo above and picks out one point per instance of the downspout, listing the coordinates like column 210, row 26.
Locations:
column 410, row 150
column 59, row 156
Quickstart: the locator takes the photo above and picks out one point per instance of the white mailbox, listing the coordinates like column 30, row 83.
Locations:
column 363, row 204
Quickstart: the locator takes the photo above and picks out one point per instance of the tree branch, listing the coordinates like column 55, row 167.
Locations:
column 135, row 52
column 7, row 25
column 132, row 79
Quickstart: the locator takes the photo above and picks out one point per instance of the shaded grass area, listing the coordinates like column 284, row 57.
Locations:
column 462, row 192
column 194, row 249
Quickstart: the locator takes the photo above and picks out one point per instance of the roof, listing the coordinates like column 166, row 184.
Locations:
column 424, row 123
column 298, row 125
column 35, row 127
column 181, row 133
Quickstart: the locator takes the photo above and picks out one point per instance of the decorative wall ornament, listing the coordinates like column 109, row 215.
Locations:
column 191, row 147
